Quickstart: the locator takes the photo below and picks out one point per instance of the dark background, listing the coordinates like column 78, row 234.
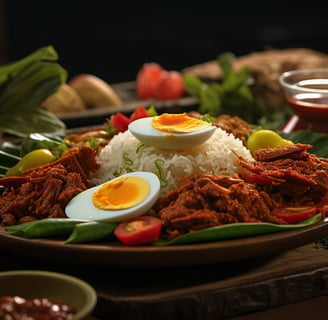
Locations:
column 112, row 41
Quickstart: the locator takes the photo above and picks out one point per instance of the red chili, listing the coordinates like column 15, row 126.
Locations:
column 295, row 214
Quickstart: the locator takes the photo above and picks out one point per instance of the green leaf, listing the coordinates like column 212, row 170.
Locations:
column 235, row 230
column 38, row 120
column 225, row 61
column 193, row 85
column 234, row 81
column 319, row 141
column 11, row 70
column 210, row 101
column 91, row 231
column 24, row 85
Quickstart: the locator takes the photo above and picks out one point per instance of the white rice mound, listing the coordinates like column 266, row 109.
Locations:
column 125, row 153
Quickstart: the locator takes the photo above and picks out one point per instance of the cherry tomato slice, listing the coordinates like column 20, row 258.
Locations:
column 139, row 230
column 295, row 214
column 139, row 113
column 120, row 121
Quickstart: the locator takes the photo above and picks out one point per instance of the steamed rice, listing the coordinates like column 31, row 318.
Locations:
column 125, row 153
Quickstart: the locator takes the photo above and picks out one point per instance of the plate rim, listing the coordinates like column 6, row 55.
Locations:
column 111, row 254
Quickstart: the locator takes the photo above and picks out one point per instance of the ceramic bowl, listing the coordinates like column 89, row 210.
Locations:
column 38, row 284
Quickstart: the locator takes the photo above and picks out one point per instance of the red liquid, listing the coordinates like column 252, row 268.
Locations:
column 311, row 112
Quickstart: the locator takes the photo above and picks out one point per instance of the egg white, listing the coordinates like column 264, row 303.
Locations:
column 82, row 207
column 143, row 130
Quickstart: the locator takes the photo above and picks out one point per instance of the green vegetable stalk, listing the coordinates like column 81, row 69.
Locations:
column 24, row 85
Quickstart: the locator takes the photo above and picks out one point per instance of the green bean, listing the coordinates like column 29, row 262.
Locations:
column 91, row 231
column 44, row 228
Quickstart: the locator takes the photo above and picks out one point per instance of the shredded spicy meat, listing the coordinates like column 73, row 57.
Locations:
column 234, row 125
column 212, row 200
column 44, row 192
column 293, row 174
column 285, row 176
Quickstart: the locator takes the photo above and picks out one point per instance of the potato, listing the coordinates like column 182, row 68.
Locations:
column 95, row 92
column 64, row 100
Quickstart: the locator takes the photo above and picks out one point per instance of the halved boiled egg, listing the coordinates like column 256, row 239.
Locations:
column 178, row 123
column 172, row 131
column 125, row 197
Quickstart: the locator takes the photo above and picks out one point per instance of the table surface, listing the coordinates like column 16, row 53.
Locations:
column 219, row 291
column 202, row 292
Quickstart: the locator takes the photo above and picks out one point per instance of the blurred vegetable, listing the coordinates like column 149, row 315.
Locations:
column 170, row 86
column 153, row 81
column 24, row 85
column 55, row 144
column 147, row 80
column 232, row 96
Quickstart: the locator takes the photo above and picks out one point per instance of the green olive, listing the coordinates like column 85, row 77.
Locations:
column 32, row 159
column 262, row 139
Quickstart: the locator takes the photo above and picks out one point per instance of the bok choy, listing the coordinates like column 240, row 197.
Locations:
column 24, row 85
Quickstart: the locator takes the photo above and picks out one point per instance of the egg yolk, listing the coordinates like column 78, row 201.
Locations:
column 121, row 193
column 178, row 123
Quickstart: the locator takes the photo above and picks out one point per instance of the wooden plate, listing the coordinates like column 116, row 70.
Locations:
column 114, row 254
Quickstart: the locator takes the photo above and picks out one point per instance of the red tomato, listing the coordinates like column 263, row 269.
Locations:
column 120, row 121
column 295, row 214
column 139, row 113
column 148, row 79
column 140, row 230
column 170, row 87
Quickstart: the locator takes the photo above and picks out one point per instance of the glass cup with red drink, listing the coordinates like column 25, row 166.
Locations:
column 306, row 91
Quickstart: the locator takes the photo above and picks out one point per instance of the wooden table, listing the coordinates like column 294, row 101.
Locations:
column 294, row 281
